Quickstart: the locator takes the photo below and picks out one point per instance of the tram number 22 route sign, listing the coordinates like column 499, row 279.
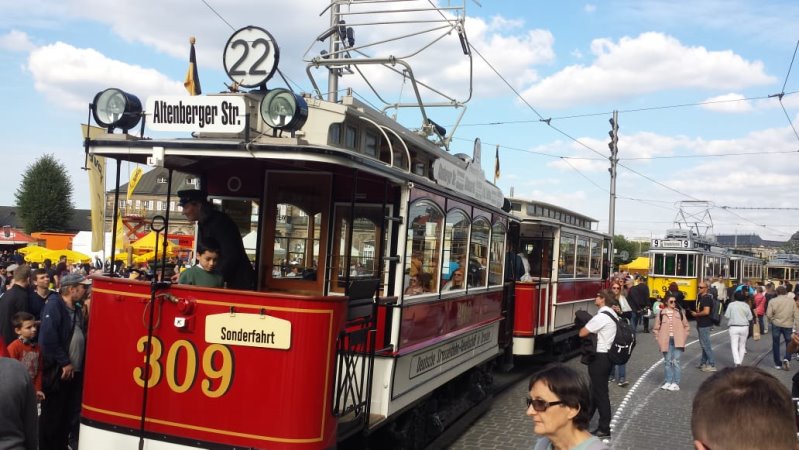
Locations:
column 251, row 56
column 216, row 366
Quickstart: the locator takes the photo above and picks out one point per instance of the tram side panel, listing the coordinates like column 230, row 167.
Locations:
column 225, row 368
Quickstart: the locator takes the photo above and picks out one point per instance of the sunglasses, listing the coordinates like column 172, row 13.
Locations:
column 541, row 405
column 672, row 302
column 615, row 288
column 702, row 287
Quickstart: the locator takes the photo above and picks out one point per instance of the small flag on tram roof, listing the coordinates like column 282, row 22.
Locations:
column 496, row 165
column 192, row 81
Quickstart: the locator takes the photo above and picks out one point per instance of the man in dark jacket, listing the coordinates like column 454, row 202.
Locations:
column 14, row 300
column 62, row 340
column 638, row 297
column 234, row 265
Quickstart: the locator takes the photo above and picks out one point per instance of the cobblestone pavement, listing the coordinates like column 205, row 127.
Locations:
column 644, row 416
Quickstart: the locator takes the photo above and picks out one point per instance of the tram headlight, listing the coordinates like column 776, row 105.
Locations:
column 282, row 109
column 114, row 108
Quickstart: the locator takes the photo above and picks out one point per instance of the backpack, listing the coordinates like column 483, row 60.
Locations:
column 623, row 343
column 715, row 310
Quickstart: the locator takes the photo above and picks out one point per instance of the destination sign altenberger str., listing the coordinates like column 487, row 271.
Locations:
column 209, row 114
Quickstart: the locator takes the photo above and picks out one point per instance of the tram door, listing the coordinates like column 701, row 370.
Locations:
column 539, row 252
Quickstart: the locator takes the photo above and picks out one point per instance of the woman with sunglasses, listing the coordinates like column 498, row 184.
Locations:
column 559, row 403
column 671, row 331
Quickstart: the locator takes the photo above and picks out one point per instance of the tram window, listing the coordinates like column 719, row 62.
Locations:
column 496, row 255
column 657, row 266
column 370, row 144
column 734, row 268
column 359, row 259
column 670, row 265
column 296, row 251
column 566, row 263
column 478, row 253
column 350, row 137
column 334, row 134
column 596, row 259
column 691, row 269
column 583, row 254
column 456, row 238
column 423, row 244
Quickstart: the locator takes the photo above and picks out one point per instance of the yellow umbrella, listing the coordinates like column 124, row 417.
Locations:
column 31, row 249
column 150, row 256
column 72, row 256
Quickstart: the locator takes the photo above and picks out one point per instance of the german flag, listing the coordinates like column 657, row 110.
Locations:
column 496, row 165
column 192, row 81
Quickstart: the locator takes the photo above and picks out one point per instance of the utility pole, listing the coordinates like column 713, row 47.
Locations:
column 614, row 151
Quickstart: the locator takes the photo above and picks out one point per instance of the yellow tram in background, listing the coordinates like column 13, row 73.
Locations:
column 685, row 258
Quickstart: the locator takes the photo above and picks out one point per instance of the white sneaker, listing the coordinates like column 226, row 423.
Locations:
column 666, row 386
column 674, row 387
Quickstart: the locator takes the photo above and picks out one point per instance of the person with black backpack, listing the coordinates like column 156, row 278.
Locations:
column 671, row 332
column 603, row 325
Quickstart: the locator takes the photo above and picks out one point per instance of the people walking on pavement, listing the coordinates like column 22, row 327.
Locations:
column 703, row 324
column 638, row 296
column 780, row 312
column 743, row 408
column 559, row 403
column 721, row 290
column 671, row 331
column 760, row 308
column 675, row 290
column 604, row 327
column 622, row 309
column 738, row 317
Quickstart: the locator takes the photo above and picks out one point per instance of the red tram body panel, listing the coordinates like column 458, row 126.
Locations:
column 241, row 395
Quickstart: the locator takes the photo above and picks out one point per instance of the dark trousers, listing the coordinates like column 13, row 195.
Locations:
column 598, row 372
column 56, row 417
column 776, row 333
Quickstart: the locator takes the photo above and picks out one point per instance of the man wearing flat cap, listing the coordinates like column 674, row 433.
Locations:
column 63, row 345
column 233, row 264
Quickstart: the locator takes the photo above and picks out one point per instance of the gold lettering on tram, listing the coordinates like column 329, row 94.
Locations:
column 217, row 367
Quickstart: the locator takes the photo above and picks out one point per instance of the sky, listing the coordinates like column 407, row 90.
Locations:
column 696, row 85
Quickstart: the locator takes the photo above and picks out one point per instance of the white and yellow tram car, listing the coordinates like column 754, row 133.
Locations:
column 685, row 258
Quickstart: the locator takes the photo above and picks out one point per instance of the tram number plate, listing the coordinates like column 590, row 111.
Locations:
column 671, row 243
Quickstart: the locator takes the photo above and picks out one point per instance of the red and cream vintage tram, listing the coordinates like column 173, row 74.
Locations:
column 564, row 260
column 400, row 248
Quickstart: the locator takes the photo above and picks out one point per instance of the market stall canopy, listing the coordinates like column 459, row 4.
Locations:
column 54, row 255
column 13, row 236
column 147, row 243
column 640, row 266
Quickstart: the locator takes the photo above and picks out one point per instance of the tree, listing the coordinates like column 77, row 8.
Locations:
column 44, row 198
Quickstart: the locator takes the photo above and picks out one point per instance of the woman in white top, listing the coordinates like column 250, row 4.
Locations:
column 738, row 316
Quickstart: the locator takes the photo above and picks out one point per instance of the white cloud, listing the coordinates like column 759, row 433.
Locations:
column 731, row 103
column 577, row 53
column 647, row 63
column 589, row 8
column 70, row 75
column 16, row 40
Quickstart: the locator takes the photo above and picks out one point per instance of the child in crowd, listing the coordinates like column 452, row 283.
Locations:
column 25, row 350
column 203, row 273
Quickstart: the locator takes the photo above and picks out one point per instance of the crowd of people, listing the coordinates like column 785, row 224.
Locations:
column 43, row 326
column 749, row 309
